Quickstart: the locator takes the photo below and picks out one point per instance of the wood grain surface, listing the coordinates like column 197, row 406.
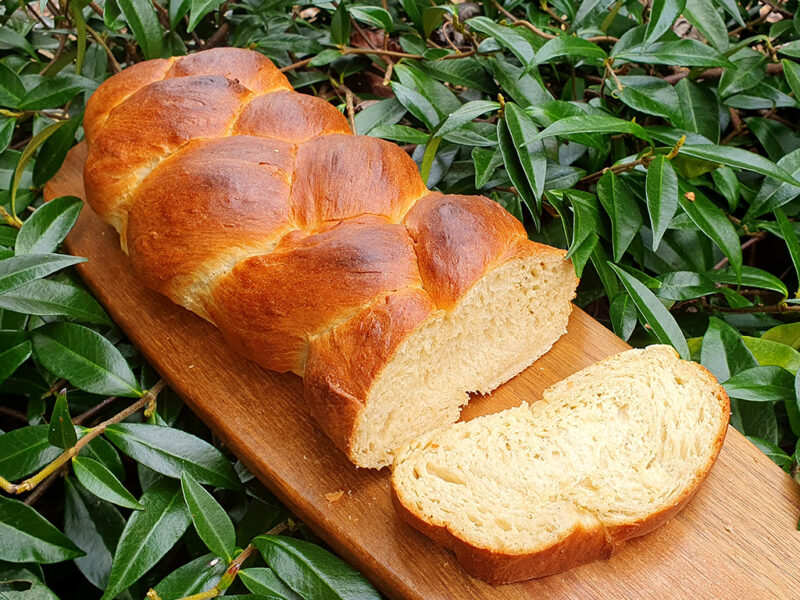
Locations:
column 736, row 539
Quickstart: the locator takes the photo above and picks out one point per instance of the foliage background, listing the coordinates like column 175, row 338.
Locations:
column 657, row 141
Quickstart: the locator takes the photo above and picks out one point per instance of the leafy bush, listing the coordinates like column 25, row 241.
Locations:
column 658, row 143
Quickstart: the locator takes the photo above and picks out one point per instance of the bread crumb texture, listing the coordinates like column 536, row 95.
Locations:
column 610, row 450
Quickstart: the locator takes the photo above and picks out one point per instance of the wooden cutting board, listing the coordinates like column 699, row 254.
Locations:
column 736, row 539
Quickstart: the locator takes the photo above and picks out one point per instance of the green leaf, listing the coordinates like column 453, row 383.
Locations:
column 530, row 151
column 751, row 277
column 724, row 352
column 707, row 20
column 773, row 193
column 761, row 384
column 15, row 349
column 662, row 196
column 261, row 580
column 523, row 89
column 45, row 297
column 650, row 95
column 62, row 431
column 95, row 526
column 210, row 520
column 506, row 36
column 622, row 209
column 36, row 141
column 486, row 161
column 102, row 451
column 747, row 73
column 101, row 482
column 385, row 112
column 19, row 270
column 736, row 157
column 10, row 38
column 513, row 167
column 699, row 108
column 662, row 15
column 712, row 221
column 657, row 317
column 400, row 133
column 790, row 237
column 85, row 358
column 53, row 151
column 793, row 406
column 199, row 9
column 466, row 113
column 171, row 452
column 776, row 138
column 28, row 537
column 148, row 535
column 11, row 87
column 194, row 577
column 569, row 46
column 113, row 19
column 142, row 18
column 732, row 8
column 311, row 571
column 340, row 26
column 684, row 285
column 778, row 456
column 6, row 132
column 768, row 352
column 417, row 104
column 25, row 450
column 373, row 16
column 623, row 315
column 52, row 92
column 684, row 53
column 45, row 229
column 791, row 49
column 788, row 334
column 791, row 70
column 593, row 124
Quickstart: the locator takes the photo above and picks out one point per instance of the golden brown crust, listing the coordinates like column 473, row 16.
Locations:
column 582, row 545
column 344, row 362
column 257, row 208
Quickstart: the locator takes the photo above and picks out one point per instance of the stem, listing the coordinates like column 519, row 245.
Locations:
column 299, row 64
column 618, row 168
column 112, row 61
column 68, row 454
column 427, row 158
column 762, row 308
column 83, row 417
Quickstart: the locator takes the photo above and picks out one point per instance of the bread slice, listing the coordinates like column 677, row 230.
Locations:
column 609, row 454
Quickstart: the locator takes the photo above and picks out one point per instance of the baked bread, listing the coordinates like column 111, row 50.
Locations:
column 609, row 454
column 316, row 251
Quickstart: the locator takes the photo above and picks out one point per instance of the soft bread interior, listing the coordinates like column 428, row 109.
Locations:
column 507, row 320
column 607, row 447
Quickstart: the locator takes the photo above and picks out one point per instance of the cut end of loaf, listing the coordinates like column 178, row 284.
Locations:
column 509, row 318
column 610, row 453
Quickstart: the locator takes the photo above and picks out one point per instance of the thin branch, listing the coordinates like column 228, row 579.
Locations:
column 298, row 65
column 762, row 308
column 94, row 432
column 83, row 417
column 14, row 414
column 379, row 52
column 620, row 168
column 112, row 61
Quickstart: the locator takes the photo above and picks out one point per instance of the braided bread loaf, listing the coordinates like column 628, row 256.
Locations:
column 317, row 251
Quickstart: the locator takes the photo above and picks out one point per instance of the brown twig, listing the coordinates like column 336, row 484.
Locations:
column 218, row 37
column 772, row 308
column 115, row 68
column 620, row 168
column 14, row 414
column 85, row 416
column 299, row 64
column 716, row 73
column 64, row 458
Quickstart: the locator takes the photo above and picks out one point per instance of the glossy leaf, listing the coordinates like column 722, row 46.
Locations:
column 711, row 220
column 19, row 270
column 199, row 9
column 143, row 21
column 530, row 152
column 28, row 537
column 792, row 243
column 746, row 73
column 742, row 159
column 94, row 526
column 507, row 37
column 787, row 333
column 261, row 580
column 62, row 431
column 569, row 46
column 171, row 452
column 101, row 482
column 761, row 384
column 662, row 196
column 699, row 109
column 15, row 349
column 400, row 133
column 792, row 404
column 655, row 315
column 593, row 124
column 650, row 95
column 24, row 451
column 619, row 203
column 374, row 16
column 513, row 167
column 417, row 105
column 662, row 15
column 198, row 575
column 684, row 53
column 148, row 535
column 210, row 520
column 311, row 571
column 340, row 26
column 775, row 454
column 724, row 352
column 53, row 151
column 45, row 297
column 85, row 358
column 52, row 92
column 466, row 113
column 622, row 312
column 774, row 193
column 791, row 71
column 44, row 230
column 705, row 17
column 752, row 277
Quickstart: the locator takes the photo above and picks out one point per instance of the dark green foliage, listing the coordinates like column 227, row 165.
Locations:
column 658, row 145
